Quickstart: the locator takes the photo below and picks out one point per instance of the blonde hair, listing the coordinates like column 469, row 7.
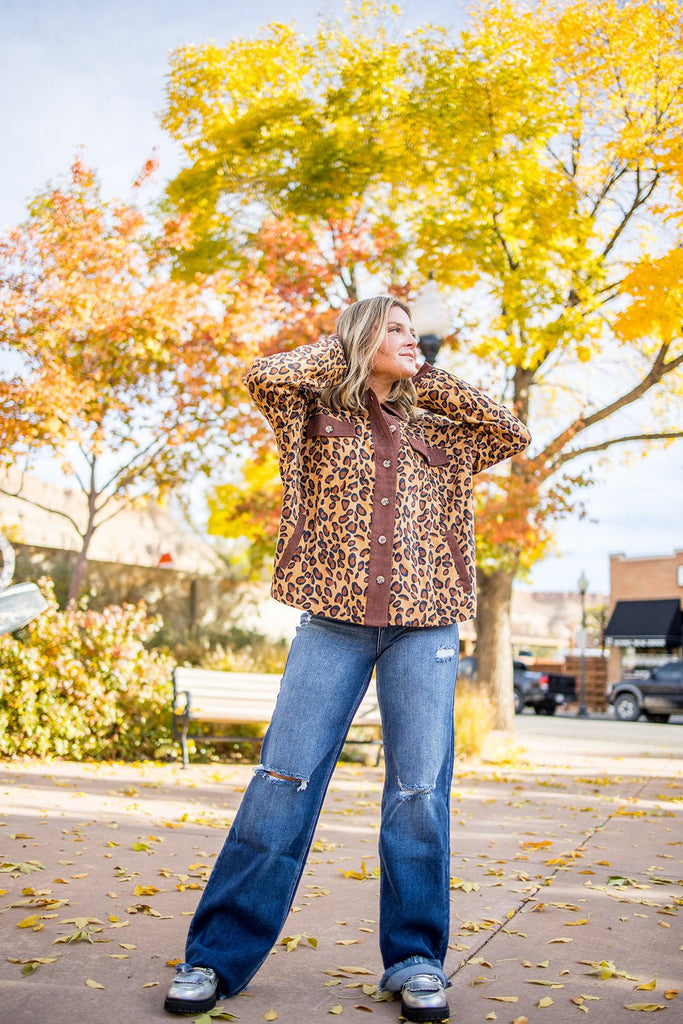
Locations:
column 361, row 329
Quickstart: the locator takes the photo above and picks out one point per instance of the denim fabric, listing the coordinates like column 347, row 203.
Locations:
column 252, row 886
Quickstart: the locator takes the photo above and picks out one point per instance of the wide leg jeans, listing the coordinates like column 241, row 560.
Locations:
column 251, row 888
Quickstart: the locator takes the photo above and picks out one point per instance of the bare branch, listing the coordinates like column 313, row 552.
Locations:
column 44, row 508
column 550, row 456
column 603, row 445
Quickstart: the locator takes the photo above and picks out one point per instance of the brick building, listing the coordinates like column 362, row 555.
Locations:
column 645, row 620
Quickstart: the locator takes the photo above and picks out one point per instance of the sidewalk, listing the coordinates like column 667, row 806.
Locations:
column 562, row 860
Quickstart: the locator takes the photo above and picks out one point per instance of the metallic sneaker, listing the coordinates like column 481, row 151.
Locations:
column 423, row 998
column 193, row 990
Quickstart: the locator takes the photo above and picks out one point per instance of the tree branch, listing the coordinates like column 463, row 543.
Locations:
column 603, row 445
column 44, row 508
column 551, row 455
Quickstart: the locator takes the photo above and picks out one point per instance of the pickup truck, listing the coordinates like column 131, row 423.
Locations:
column 656, row 696
column 545, row 692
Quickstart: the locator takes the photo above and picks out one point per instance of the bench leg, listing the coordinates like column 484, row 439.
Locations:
column 183, row 746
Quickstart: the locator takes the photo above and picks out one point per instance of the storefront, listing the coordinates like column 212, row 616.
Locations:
column 645, row 624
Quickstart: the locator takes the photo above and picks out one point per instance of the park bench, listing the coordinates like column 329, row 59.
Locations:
column 205, row 697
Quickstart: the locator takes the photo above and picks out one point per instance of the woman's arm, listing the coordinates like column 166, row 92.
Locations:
column 496, row 432
column 274, row 381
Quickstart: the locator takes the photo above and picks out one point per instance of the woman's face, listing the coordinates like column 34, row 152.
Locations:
column 396, row 358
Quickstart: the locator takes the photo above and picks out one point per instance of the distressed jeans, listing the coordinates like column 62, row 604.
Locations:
column 251, row 888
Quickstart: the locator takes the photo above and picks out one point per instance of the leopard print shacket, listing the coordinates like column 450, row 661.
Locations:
column 377, row 524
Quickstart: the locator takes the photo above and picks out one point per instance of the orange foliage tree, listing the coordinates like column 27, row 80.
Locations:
column 130, row 378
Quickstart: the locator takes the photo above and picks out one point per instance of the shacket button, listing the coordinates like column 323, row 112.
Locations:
column 384, row 501
column 328, row 430
column 380, row 579
column 392, row 428
column 382, row 539
column 386, row 463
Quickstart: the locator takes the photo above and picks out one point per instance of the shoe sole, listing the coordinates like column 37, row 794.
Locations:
column 425, row 1016
column 187, row 1007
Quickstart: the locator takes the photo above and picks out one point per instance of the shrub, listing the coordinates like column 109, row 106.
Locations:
column 473, row 719
column 81, row 684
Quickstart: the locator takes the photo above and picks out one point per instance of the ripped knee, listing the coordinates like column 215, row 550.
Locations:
column 445, row 653
column 410, row 792
column 278, row 777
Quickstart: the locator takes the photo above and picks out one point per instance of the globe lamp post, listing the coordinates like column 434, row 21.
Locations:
column 431, row 319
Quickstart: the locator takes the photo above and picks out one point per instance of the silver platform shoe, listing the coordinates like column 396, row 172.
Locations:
column 423, row 998
column 193, row 990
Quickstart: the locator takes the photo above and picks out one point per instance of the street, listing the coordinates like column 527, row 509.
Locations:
column 600, row 735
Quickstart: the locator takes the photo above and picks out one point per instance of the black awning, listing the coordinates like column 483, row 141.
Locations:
column 645, row 624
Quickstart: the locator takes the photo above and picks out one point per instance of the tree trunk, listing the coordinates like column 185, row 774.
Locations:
column 91, row 526
column 494, row 644
column 79, row 568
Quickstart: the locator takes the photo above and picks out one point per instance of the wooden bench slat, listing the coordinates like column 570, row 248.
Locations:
column 231, row 698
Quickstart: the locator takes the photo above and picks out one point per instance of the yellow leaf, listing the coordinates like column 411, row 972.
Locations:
column 337, row 1008
column 93, row 984
column 671, row 993
column 492, row 1015
column 504, row 999
column 579, row 920
column 645, row 1007
column 521, row 1020
column 647, row 985
column 150, row 984
column 551, row 941
column 545, row 1001
column 29, row 922
column 270, row 1015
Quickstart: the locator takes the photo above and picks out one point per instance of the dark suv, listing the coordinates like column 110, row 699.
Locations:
column 657, row 696
column 545, row 692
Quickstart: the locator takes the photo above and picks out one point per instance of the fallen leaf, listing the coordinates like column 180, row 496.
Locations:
column 646, row 986
column 292, row 941
column 645, row 1007
column 545, row 1001
column 30, row 922
column 270, row 1015
column 93, row 984
column 145, row 890
column 337, row 1008
column 504, row 999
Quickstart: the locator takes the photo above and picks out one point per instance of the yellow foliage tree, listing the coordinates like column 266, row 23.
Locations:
column 533, row 166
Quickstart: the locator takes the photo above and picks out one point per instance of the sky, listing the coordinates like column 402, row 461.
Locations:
column 90, row 75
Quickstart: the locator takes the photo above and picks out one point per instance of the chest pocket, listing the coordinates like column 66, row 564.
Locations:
column 434, row 456
column 324, row 425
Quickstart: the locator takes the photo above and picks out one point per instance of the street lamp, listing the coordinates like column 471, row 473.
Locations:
column 431, row 319
column 582, row 584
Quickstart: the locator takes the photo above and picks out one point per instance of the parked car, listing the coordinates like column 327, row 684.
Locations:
column 545, row 692
column 657, row 696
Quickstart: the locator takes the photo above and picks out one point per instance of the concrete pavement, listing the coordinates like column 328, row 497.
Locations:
column 566, row 885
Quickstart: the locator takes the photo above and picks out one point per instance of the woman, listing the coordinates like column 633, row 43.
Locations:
column 376, row 547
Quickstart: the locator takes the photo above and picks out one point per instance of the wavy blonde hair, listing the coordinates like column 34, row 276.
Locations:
column 361, row 329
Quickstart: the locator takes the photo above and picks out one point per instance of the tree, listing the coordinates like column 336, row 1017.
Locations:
column 129, row 377
column 533, row 166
